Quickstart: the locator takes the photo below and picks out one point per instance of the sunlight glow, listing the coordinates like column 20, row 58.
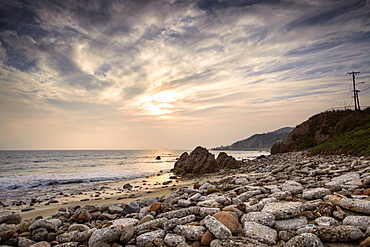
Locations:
column 160, row 103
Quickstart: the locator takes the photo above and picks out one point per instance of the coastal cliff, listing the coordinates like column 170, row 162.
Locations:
column 330, row 132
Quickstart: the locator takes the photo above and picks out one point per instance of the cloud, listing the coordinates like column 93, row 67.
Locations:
column 225, row 61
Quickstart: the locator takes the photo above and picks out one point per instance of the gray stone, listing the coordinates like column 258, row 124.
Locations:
column 184, row 203
column 127, row 233
column 190, row 232
column 203, row 212
column 246, row 195
column 83, row 236
column 260, row 232
column 355, row 205
column 114, row 209
column 260, row 205
column 304, row 240
column 215, row 242
column 174, row 240
column 11, row 219
column 315, row 193
column 149, row 237
column 78, row 227
column 70, row 244
column 180, row 213
column 284, row 210
column 293, row 187
column 338, row 182
column 241, row 181
column 286, row 235
column 48, row 224
column 326, row 221
column 217, row 228
column 262, row 218
column 158, row 223
column 39, row 234
column 362, row 222
column 145, row 219
column 25, row 242
column 172, row 223
column 291, row 224
column 280, row 195
column 105, row 237
column 66, row 237
column 337, row 233
column 130, row 208
column 125, row 222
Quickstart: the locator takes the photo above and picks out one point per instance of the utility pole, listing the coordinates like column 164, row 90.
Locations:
column 355, row 94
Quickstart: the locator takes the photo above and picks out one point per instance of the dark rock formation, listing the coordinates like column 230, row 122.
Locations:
column 201, row 161
column 225, row 161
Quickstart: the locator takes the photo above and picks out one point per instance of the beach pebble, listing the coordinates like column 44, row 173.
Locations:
column 284, row 210
column 217, row 228
column 127, row 233
column 149, row 237
column 174, row 240
column 293, row 187
column 11, row 219
column 337, row 233
column 326, row 221
column 291, row 224
column 83, row 236
column 362, row 222
column 47, row 224
column 125, row 222
column 190, row 232
column 81, row 216
column 78, row 227
column 315, row 193
column 25, row 242
column 39, row 234
column 172, row 223
column 114, row 209
column 357, row 205
column 304, row 240
column 260, row 232
column 105, row 237
column 228, row 220
column 338, row 182
column 40, row 244
column 158, row 223
column 263, row 218
column 132, row 207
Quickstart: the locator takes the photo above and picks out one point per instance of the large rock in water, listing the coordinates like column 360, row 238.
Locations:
column 201, row 161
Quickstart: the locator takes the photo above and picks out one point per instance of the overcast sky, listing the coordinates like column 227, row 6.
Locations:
column 140, row 74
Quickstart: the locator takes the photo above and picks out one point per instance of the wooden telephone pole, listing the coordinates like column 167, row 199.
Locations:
column 355, row 92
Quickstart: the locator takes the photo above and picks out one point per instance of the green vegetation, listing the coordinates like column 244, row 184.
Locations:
column 352, row 136
column 179, row 170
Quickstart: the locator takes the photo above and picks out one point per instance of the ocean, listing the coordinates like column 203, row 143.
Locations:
column 41, row 171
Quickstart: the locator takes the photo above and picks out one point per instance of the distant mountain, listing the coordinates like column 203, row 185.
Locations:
column 259, row 141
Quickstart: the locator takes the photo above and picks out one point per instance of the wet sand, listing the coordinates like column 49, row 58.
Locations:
column 112, row 192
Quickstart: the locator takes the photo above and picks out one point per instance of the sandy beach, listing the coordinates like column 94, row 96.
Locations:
column 104, row 193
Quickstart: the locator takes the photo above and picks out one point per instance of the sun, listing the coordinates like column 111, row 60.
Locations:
column 161, row 103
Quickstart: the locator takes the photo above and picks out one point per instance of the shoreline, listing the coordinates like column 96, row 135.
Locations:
column 104, row 193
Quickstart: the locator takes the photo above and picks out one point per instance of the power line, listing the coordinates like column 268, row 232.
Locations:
column 355, row 92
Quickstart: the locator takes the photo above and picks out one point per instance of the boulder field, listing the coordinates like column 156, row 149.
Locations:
column 289, row 199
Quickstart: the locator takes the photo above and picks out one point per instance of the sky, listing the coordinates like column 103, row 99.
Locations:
column 174, row 74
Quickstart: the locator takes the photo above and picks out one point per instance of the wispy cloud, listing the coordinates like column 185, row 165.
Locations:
column 130, row 72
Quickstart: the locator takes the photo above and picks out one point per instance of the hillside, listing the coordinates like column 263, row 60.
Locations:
column 331, row 132
column 259, row 141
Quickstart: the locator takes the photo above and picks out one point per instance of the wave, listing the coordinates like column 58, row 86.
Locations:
column 18, row 183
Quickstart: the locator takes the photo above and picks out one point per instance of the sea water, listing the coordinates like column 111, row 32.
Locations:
column 41, row 171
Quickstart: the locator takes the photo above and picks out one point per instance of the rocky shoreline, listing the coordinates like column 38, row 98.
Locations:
column 290, row 199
